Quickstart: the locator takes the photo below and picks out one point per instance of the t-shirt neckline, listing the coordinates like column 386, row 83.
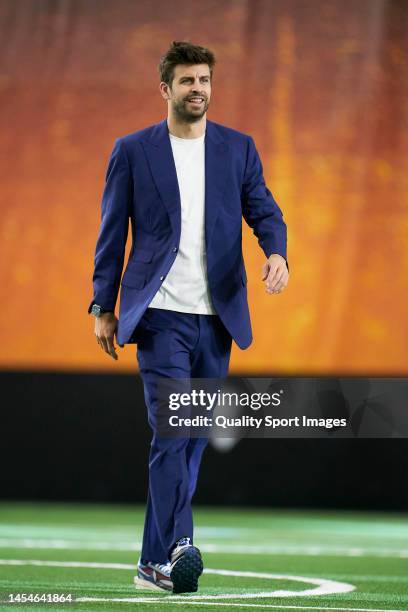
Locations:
column 187, row 139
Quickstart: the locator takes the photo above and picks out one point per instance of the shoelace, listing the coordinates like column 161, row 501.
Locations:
column 162, row 567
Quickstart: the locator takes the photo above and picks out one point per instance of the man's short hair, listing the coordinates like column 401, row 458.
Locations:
column 186, row 53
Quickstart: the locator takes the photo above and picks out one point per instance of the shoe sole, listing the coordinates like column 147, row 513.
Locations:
column 145, row 585
column 186, row 571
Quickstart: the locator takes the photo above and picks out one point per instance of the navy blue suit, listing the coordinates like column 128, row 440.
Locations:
column 141, row 185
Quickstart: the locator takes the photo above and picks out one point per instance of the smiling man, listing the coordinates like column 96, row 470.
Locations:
column 189, row 108
column 185, row 184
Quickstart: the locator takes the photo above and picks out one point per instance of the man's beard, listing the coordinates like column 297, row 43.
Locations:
column 182, row 112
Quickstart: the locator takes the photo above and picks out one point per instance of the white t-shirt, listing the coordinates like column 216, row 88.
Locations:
column 185, row 287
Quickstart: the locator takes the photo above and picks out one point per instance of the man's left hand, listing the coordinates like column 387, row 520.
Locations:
column 275, row 273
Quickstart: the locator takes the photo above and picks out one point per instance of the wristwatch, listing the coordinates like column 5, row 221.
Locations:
column 97, row 310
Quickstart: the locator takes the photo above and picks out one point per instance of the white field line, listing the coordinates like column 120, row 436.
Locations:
column 132, row 567
column 239, row 549
column 247, row 605
column 90, row 564
column 201, row 599
column 350, row 533
column 241, row 605
column 322, row 586
column 117, row 535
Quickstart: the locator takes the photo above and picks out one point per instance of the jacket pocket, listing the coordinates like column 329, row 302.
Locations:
column 134, row 277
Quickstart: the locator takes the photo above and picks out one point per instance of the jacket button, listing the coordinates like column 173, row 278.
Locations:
column 162, row 278
column 175, row 250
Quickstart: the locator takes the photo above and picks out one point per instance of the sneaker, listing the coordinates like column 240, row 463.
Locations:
column 153, row 576
column 186, row 566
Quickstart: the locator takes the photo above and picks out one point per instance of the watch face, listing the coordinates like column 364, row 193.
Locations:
column 96, row 310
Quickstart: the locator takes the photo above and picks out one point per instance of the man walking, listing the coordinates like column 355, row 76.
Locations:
column 185, row 184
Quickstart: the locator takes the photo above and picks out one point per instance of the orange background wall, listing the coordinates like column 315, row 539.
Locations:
column 323, row 89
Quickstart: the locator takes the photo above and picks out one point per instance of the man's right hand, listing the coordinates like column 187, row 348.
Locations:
column 105, row 328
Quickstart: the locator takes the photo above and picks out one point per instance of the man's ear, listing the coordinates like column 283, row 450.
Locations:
column 164, row 91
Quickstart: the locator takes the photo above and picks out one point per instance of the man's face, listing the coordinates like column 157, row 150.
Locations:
column 190, row 92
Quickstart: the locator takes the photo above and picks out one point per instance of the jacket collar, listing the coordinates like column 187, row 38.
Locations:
column 159, row 153
column 159, row 134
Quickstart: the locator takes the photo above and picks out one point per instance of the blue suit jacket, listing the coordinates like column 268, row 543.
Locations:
column 141, row 184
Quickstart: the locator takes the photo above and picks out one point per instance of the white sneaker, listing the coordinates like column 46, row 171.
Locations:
column 153, row 576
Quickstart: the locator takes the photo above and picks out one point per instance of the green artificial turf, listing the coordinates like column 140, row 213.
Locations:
column 367, row 551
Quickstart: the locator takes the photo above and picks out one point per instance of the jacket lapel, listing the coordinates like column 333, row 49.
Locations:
column 216, row 166
column 160, row 157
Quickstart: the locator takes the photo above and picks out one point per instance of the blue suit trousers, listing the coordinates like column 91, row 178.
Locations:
column 177, row 345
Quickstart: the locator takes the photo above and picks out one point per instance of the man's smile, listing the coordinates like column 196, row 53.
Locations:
column 196, row 100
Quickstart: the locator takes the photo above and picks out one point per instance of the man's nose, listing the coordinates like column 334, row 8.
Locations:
column 196, row 89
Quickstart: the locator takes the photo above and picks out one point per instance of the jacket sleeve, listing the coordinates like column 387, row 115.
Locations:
column 259, row 208
column 115, row 211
